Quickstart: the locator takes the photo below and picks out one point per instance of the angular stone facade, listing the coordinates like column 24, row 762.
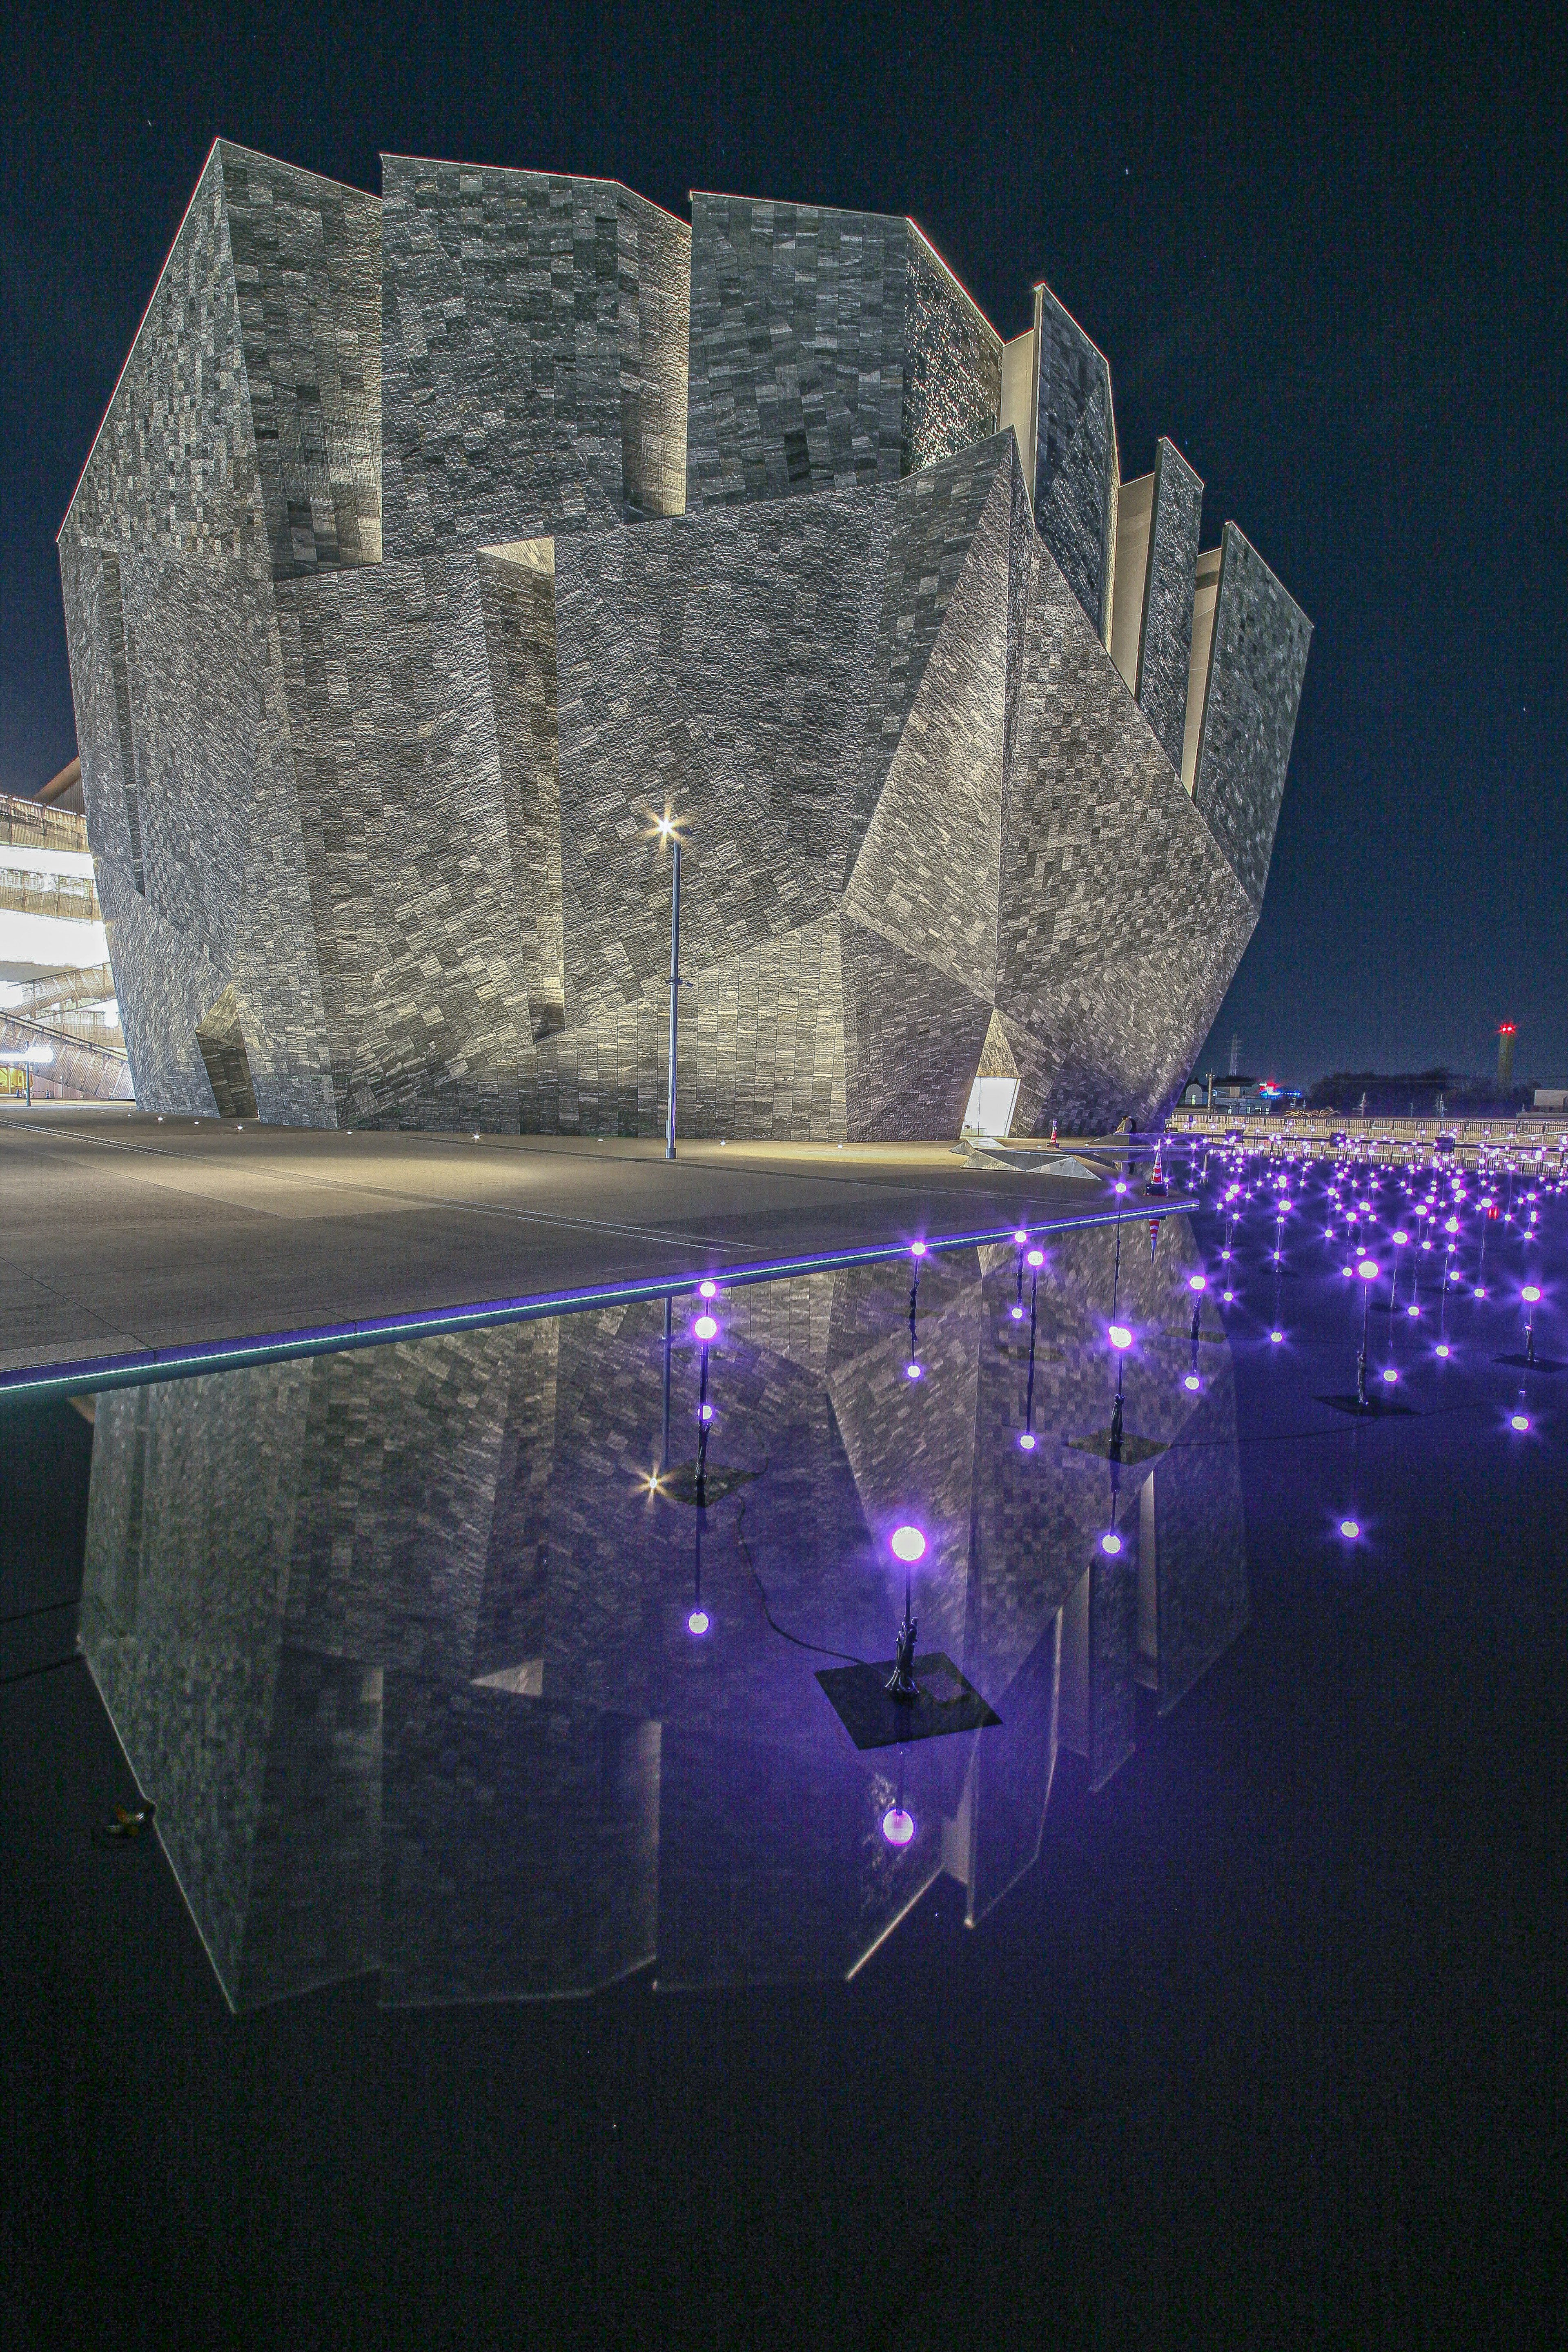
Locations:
column 435, row 546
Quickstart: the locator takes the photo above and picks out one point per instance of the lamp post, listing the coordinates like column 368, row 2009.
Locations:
column 668, row 829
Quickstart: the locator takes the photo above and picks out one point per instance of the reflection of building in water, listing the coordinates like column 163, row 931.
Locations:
column 399, row 1638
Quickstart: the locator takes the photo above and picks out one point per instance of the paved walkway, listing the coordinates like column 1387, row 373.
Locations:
column 128, row 1237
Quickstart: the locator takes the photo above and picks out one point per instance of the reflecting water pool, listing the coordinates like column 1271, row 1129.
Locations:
column 507, row 1663
column 1181, row 1960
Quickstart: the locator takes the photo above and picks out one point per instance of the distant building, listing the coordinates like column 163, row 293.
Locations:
column 1551, row 1098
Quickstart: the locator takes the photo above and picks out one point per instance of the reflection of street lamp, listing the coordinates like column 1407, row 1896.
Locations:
column 669, row 830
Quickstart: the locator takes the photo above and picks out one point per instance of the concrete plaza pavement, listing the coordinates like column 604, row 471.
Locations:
column 128, row 1237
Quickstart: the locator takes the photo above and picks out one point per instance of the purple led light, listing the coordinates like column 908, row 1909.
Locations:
column 906, row 1544
column 1197, row 1282
column 1277, row 1338
column 1110, row 1543
column 1021, row 1236
column 1389, row 1373
column 1191, row 1382
column 1036, row 1259
column 706, row 1290
column 705, row 1328
column 1350, row 1529
column 1017, row 1314
column 1519, row 1420
column 1531, row 1294
column 706, row 1414
column 698, row 1622
column 1120, row 1337
column 1367, row 1269
column 898, row 1827
column 912, row 1370
column 1442, row 1347
column 917, row 1249
column 1026, row 1441
column 1400, row 1239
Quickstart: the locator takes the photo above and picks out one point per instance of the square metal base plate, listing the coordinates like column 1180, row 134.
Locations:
column 946, row 1702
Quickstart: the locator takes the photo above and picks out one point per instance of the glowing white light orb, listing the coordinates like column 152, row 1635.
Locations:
column 698, row 1622
column 706, row 1290
column 1277, row 1338
column 1110, row 1543
column 911, row 1371
column 1389, row 1373
column 906, row 1544
column 1036, row 1259
column 1519, row 1420
column 1197, row 1282
column 1367, row 1269
column 706, row 1328
column 1026, row 1441
column 1191, row 1382
column 1120, row 1337
column 1531, row 1294
column 898, row 1827
column 917, row 1249
column 1350, row 1529
column 1442, row 1347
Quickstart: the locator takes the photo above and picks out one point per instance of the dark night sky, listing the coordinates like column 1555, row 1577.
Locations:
column 1323, row 251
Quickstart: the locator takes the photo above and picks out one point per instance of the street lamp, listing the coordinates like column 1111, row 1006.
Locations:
column 669, row 830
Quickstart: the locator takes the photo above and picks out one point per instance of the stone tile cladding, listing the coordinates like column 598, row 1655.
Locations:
column 390, row 638
column 1076, row 474
column 1166, row 643
column 533, row 334
column 1256, row 667
column 828, row 349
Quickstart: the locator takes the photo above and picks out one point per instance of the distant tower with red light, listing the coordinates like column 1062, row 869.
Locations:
column 1505, row 1037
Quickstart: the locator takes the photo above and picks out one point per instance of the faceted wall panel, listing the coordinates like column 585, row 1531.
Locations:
column 828, row 349
column 1076, row 473
column 534, row 332
column 1256, row 667
column 1165, row 646
column 392, row 636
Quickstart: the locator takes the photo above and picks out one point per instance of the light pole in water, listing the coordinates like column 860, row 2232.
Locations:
column 669, row 830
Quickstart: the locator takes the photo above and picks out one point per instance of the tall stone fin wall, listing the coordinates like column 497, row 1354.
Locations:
column 1075, row 459
column 1165, row 641
column 1257, row 664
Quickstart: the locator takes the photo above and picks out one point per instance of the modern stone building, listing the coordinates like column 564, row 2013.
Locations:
column 435, row 546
